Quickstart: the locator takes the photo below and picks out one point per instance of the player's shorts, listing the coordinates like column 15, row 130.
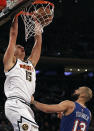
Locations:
column 20, row 115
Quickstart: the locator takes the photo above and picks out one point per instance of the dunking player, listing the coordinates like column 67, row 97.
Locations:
column 20, row 81
column 76, row 116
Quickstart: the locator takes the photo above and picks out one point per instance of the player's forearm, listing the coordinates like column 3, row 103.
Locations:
column 14, row 30
column 37, row 46
column 9, row 54
column 36, row 51
column 38, row 32
column 13, row 35
column 46, row 108
column 38, row 39
column 40, row 106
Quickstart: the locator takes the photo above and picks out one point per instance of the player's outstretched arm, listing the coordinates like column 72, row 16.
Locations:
column 36, row 51
column 8, row 59
column 61, row 107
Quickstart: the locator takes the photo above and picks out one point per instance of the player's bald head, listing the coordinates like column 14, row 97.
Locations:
column 86, row 92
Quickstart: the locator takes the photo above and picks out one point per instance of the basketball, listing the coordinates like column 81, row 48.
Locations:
column 44, row 16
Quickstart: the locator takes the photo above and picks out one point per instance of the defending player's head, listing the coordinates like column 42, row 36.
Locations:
column 19, row 52
column 83, row 93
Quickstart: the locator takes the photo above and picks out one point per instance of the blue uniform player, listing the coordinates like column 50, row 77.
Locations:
column 75, row 116
column 78, row 120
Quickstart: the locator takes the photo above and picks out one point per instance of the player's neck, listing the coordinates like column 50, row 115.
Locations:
column 20, row 58
column 81, row 102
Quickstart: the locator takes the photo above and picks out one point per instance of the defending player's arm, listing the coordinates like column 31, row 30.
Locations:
column 90, row 116
column 9, row 58
column 61, row 107
column 36, row 51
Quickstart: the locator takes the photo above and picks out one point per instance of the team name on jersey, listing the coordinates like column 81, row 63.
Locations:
column 82, row 115
column 27, row 67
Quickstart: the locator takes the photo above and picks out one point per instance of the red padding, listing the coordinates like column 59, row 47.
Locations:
column 2, row 4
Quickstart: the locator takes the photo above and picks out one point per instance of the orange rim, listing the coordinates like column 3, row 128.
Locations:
column 24, row 13
column 43, row 2
column 36, row 2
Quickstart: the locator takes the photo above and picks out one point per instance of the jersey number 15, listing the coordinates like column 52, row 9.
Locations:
column 29, row 76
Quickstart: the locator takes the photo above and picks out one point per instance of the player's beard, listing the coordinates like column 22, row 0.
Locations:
column 74, row 97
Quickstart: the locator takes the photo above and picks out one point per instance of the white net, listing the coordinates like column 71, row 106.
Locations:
column 42, row 13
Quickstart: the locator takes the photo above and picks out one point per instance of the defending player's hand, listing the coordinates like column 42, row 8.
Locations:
column 32, row 99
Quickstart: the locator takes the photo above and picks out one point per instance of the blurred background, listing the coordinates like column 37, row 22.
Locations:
column 67, row 59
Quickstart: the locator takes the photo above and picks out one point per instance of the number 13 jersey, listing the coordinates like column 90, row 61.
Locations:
column 78, row 120
column 20, row 80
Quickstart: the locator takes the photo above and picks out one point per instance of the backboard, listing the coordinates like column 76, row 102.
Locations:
column 13, row 7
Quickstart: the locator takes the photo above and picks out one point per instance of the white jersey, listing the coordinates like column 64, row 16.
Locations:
column 20, row 80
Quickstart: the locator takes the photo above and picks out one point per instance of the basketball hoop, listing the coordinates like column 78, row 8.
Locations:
column 40, row 11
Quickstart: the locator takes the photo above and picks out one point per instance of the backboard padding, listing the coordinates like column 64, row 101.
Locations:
column 10, row 13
